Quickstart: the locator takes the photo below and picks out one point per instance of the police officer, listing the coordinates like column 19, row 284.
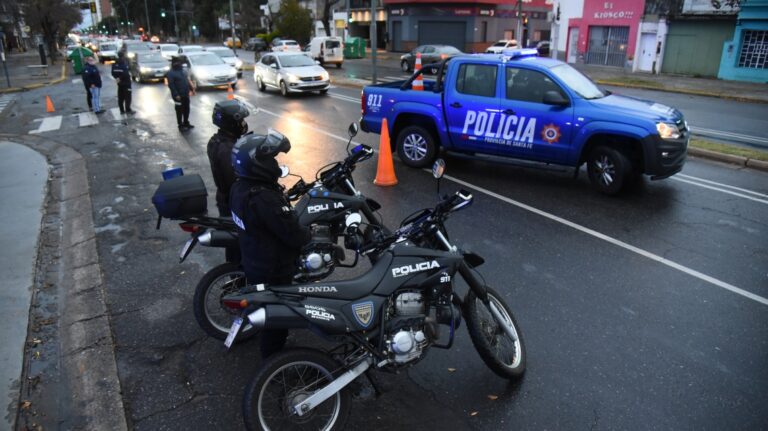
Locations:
column 121, row 71
column 269, row 231
column 229, row 116
column 180, row 86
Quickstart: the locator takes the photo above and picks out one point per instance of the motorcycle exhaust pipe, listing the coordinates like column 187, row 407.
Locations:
column 218, row 238
column 277, row 316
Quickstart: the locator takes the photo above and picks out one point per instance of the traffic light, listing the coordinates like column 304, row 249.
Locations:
column 525, row 20
column 194, row 27
column 162, row 13
column 93, row 7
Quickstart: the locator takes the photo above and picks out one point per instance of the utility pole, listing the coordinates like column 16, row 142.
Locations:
column 520, row 42
column 373, row 39
column 232, row 24
column 175, row 21
column 146, row 11
column 346, row 24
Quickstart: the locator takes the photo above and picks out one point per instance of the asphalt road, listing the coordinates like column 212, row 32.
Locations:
column 646, row 311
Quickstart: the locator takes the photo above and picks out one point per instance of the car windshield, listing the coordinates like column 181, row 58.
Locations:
column 152, row 57
column 577, row 82
column 290, row 42
column 296, row 61
column 205, row 60
column 223, row 52
column 137, row 47
column 449, row 50
column 500, row 44
column 173, row 48
column 108, row 47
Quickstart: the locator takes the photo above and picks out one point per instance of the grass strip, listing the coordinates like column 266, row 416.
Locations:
column 729, row 149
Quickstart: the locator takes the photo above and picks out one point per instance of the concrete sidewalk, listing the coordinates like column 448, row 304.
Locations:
column 23, row 180
column 23, row 77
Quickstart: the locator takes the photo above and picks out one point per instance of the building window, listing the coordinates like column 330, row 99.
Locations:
column 754, row 49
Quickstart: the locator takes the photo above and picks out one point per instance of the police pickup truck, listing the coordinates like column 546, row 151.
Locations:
column 516, row 104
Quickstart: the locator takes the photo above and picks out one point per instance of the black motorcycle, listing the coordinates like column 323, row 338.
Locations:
column 386, row 319
column 323, row 205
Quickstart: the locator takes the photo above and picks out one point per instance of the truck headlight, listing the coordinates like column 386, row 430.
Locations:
column 667, row 130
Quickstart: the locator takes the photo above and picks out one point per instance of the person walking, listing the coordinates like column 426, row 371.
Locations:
column 181, row 87
column 122, row 74
column 92, row 81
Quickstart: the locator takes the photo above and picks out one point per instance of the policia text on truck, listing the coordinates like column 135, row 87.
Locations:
column 516, row 104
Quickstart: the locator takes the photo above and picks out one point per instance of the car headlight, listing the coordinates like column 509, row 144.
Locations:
column 291, row 77
column 131, row 54
column 145, row 69
column 201, row 74
column 167, row 68
column 667, row 130
column 325, row 76
column 238, row 63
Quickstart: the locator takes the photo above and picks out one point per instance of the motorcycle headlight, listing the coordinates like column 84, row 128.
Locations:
column 667, row 130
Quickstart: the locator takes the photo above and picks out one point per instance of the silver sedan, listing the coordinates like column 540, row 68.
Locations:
column 291, row 73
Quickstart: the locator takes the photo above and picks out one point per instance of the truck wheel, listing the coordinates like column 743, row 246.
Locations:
column 608, row 168
column 416, row 147
column 404, row 66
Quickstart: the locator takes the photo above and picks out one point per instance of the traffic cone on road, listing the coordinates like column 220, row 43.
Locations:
column 418, row 83
column 49, row 104
column 230, row 93
column 385, row 171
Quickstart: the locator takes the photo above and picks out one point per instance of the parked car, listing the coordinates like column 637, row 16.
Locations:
column 256, row 44
column 149, row 66
column 542, row 47
column 501, row 45
column 291, row 72
column 228, row 42
column 108, row 51
column 285, row 45
column 169, row 50
column 327, row 50
column 207, row 69
column 229, row 57
column 429, row 54
column 274, row 42
column 186, row 49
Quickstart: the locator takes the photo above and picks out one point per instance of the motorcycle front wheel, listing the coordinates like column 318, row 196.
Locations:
column 284, row 380
column 503, row 355
column 212, row 316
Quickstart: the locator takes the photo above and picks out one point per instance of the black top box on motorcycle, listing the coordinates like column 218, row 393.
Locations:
column 181, row 197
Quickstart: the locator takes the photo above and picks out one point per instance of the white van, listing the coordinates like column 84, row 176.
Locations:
column 327, row 49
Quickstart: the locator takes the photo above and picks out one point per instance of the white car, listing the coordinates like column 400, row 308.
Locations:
column 501, row 45
column 229, row 57
column 186, row 49
column 286, row 45
column 291, row 73
column 207, row 69
column 169, row 50
column 108, row 51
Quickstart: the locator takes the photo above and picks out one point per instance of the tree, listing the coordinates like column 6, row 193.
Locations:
column 294, row 21
column 52, row 18
column 327, row 15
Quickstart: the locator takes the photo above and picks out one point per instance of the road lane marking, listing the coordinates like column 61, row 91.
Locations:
column 727, row 135
column 344, row 98
column 682, row 180
column 690, row 177
column 584, row 229
column 87, row 119
column 48, row 124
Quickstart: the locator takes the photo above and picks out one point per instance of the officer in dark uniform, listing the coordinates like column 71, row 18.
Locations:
column 121, row 71
column 269, row 230
column 229, row 116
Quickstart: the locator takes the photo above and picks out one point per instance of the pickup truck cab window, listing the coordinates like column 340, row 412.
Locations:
column 477, row 79
column 529, row 85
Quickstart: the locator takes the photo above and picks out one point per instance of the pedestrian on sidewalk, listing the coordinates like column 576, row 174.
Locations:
column 122, row 74
column 181, row 88
column 92, row 80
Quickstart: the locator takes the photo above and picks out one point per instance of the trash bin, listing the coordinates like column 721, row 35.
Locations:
column 354, row 47
column 78, row 58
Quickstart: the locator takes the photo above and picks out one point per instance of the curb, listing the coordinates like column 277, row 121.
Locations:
column 729, row 158
column 82, row 389
column 681, row 91
column 38, row 85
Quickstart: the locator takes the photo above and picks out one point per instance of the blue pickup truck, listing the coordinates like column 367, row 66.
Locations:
column 516, row 104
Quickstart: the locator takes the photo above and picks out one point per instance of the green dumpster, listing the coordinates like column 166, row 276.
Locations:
column 354, row 47
column 78, row 57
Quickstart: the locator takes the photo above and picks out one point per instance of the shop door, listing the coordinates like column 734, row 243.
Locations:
column 607, row 45
column 573, row 44
column 443, row 33
column 397, row 36
column 647, row 51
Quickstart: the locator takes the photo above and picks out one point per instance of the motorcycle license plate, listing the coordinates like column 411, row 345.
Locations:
column 186, row 248
column 233, row 332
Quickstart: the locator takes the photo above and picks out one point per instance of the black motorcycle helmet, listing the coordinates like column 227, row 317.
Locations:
column 229, row 116
column 253, row 156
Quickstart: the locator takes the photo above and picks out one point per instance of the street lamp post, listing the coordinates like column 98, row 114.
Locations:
column 146, row 12
column 232, row 24
column 175, row 21
column 373, row 39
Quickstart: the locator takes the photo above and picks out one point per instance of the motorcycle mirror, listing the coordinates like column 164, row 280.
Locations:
column 353, row 129
column 284, row 171
column 353, row 219
column 438, row 169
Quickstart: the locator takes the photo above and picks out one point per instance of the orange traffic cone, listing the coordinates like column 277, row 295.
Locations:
column 230, row 93
column 49, row 104
column 418, row 83
column 385, row 171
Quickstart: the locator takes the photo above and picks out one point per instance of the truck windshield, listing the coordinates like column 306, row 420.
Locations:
column 577, row 82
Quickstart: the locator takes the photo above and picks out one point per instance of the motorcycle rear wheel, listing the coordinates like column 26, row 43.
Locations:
column 503, row 356
column 212, row 316
column 287, row 378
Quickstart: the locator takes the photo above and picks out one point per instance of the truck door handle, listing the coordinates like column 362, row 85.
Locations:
column 508, row 112
column 455, row 105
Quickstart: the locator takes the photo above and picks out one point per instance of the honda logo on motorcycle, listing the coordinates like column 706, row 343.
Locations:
column 317, row 289
column 416, row 267
column 323, row 207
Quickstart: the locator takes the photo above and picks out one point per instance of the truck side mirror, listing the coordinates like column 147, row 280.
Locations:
column 555, row 98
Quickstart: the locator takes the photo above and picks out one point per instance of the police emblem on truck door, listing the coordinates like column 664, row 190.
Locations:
column 363, row 313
